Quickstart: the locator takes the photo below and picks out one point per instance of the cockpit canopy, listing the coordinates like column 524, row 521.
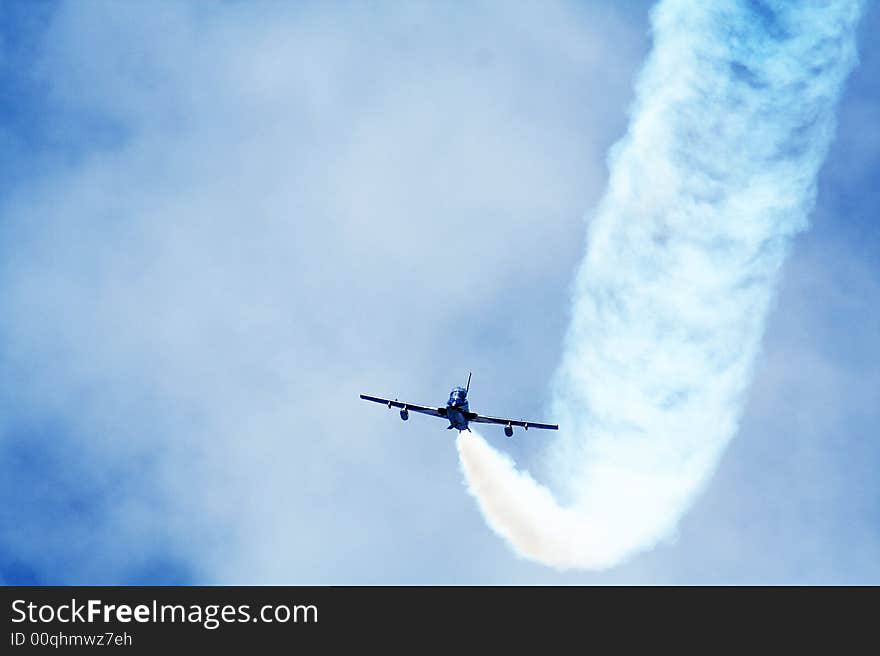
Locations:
column 458, row 396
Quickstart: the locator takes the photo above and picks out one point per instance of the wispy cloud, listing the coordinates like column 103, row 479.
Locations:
column 253, row 213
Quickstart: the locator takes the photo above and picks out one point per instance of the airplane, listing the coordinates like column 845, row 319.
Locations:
column 458, row 413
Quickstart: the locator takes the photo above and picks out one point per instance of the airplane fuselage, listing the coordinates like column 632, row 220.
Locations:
column 457, row 409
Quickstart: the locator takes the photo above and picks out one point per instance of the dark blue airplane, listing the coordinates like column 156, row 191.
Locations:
column 457, row 412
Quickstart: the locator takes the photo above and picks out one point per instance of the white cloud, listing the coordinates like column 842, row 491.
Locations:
column 285, row 207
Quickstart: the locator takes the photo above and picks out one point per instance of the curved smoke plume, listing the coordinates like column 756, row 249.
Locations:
column 734, row 113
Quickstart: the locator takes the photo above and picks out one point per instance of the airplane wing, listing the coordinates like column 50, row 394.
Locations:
column 436, row 412
column 479, row 419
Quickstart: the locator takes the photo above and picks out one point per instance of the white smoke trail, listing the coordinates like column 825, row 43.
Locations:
column 733, row 116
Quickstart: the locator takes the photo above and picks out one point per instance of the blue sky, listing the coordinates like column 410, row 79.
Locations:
column 221, row 223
